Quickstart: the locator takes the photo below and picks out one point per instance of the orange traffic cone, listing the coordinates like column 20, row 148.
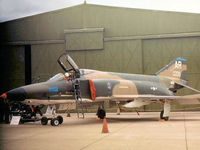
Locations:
column 105, row 126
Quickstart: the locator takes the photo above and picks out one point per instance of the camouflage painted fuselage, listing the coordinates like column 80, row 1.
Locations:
column 109, row 84
column 98, row 85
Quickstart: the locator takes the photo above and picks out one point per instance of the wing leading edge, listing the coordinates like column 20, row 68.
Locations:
column 141, row 100
column 155, row 97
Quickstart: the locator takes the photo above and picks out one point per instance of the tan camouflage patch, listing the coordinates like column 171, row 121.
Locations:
column 125, row 87
column 102, row 75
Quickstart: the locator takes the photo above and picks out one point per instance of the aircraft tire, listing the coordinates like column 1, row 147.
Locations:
column 101, row 113
column 54, row 122
column 60, row 119
column 44, row 121
column 161, row 116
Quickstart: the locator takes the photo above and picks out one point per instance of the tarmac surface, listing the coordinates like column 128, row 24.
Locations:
column 127, row 131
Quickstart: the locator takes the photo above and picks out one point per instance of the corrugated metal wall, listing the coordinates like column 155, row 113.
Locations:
column 159, row 52
column 44, row 60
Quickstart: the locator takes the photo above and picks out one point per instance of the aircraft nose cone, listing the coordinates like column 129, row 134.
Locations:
column 18, row 94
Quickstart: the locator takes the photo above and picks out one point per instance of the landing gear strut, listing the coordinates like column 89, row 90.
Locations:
column 164, row 114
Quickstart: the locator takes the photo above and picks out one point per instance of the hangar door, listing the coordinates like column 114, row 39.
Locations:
column 12, row 67
column 44, row 61
column 159, row 52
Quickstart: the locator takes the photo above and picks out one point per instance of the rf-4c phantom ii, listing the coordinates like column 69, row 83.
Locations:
column 84, row 85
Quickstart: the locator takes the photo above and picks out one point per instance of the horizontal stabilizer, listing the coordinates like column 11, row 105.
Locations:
column 188, row 87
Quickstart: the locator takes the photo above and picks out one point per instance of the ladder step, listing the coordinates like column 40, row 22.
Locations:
column 78, row 98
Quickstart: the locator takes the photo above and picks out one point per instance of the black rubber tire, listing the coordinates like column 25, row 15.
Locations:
column 60, row 119
column 101, row 113
column 161, row 116
column 44, row 121
column 54, row 122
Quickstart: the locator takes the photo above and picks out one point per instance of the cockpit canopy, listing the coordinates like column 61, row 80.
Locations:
column 86, row 71
column 57, row 77
column 68, row 65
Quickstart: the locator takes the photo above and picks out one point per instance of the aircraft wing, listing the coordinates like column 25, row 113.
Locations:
column 141, row 100
column 155, row 97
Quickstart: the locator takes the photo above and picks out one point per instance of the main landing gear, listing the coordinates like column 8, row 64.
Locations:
column 101, row 113
column 54, row 121
column 162, row 116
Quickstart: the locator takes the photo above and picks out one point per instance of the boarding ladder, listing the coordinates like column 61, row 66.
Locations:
column 78, row 98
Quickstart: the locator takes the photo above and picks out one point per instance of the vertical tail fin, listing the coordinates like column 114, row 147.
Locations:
column 176, row 70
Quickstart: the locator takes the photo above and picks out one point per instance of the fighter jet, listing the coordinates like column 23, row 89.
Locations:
column 134, row 90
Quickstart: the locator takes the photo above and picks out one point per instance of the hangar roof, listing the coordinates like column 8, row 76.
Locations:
column 117, row 22
column 121, row 5
column 10, row 10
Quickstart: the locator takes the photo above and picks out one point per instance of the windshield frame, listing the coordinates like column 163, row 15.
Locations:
column 69, row 61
